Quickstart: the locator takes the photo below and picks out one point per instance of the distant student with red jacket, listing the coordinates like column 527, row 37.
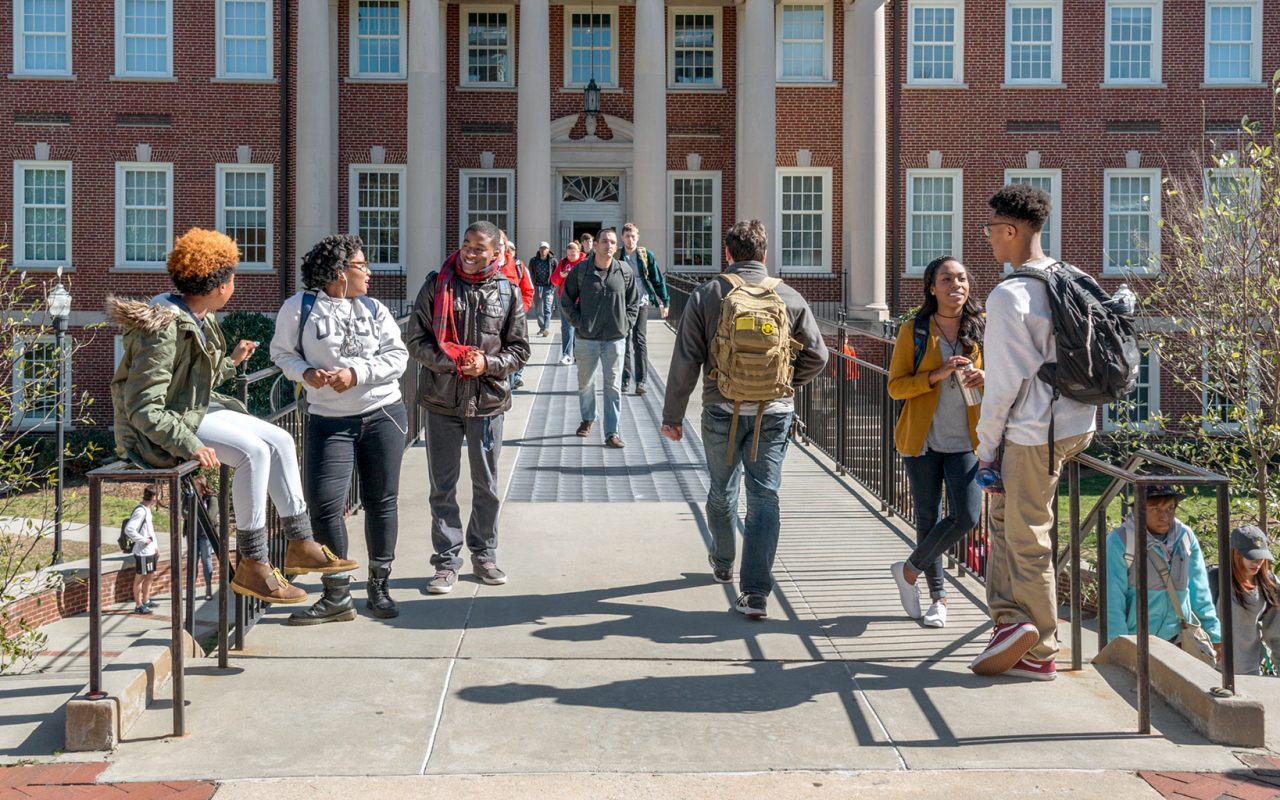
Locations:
column 573, row 256
column 518, row 274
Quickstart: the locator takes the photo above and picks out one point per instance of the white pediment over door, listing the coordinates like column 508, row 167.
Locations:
column 623, row 131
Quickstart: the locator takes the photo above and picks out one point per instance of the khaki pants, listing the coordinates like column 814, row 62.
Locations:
column 1020, row 581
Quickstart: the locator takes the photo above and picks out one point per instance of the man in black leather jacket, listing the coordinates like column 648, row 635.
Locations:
column 468, row 331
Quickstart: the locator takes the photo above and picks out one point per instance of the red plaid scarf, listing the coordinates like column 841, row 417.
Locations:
column 442, row 319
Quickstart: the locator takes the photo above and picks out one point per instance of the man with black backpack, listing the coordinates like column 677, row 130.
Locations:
column 753, row 340
column 1033, row 420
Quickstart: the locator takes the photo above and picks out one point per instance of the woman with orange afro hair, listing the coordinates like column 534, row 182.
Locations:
column 166, row 411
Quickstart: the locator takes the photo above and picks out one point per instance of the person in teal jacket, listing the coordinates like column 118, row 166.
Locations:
column 1170, row 543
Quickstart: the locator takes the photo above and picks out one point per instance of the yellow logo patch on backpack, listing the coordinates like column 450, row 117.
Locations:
column 753, row 352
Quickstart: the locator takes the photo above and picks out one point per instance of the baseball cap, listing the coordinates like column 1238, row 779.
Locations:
column 1251, row 543
column 543, row 244
column 1163, row 490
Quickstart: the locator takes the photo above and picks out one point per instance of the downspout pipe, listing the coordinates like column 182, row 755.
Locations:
column 286, row 261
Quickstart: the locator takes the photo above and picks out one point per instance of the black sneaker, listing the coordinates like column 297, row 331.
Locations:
column 753, row 605
column 520, row 384
column 442, row 582
column 721, row 574
column 626, row 386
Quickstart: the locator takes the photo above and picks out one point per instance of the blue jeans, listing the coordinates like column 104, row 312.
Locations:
column 545, row 298
column 592, row 354
column 934, row 536
column 567, row 334
column 763, row 479
column 204, row 554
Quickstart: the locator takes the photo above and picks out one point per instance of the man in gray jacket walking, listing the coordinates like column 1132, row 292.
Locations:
column 745, row 250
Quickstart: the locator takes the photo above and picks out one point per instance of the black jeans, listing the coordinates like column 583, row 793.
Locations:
column 935, row 536
column 483, row 437
column 637, row 348
column 372, row 444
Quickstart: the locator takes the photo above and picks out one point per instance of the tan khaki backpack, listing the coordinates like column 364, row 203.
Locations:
column 753, row 350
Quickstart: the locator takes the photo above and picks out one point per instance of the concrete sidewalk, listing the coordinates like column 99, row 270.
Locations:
column 612, row 651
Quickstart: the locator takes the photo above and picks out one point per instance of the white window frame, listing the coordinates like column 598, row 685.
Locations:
column 464, row 53
column 1157, row 43
column 718, row 33
column 353, row 35
column 20, row 44
column 957, row 221
column 827, row 239
column 464, row 206
column 353, row 208
column 122, row 62
column 828, row 37
column 957, row 78
column 1055, row 194
column 121, row 168
column 1153, row 393
column 267, row 170
column 609, row 81
column 716, row 247
column 221, row 21
column 1055, row 46
column 19, row 222
column 1153, row 229
column 39, row 422
column 1225, row 428
column 1255, row 186
column 1255, row 45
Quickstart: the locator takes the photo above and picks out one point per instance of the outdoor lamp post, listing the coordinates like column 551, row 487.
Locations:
column 59, row 309
column 591, row 104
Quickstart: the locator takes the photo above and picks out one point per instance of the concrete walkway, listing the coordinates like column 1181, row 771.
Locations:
column 612, row 651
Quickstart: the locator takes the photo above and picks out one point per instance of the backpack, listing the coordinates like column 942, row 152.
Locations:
column 1094, row 339
column 753, row 351
column 126, row 544
column 309, row 302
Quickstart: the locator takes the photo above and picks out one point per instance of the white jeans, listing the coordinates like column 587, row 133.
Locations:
column 265, row 461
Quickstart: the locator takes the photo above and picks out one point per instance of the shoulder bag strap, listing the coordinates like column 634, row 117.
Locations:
column 308, row 303
column 1163, row 569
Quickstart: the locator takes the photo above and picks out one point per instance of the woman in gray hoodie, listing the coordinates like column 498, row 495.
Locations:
column 345, row 348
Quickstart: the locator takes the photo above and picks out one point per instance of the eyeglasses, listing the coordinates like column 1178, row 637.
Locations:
column 986, row 229
column 360, row 265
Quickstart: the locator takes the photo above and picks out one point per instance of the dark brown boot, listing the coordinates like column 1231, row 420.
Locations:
column 259, row 579
column 306, row 555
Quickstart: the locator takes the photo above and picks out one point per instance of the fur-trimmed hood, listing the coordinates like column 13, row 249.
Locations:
column 150, row 316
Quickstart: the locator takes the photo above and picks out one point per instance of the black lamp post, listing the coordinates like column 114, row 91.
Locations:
column 60, row 310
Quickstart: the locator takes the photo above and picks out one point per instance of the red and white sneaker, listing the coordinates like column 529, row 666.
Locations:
column 1009, row 643
column 1035, row 670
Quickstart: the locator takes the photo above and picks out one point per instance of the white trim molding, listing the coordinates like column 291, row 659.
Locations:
column 780, row 45
column 957, row 217
column 122, row 169
column 267, row 37
column 1155, row 79
column 18, row 256
column 609, row 81
column 715, row 231
column 20, row 42
column 1053, row 226
column 717, row 43
column 353, row 213
column 267, row 209
column 353, row 37
column 122, row 66
column 464, row 46
column 464, row 198
column 1153, row 227
column 824, row 265
column 1255, row 42
column 956, row 43
column 1054, row 43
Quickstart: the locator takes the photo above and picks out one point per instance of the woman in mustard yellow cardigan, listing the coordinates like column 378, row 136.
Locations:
column 933, row 363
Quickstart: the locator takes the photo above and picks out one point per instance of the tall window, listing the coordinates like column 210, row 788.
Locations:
column 936, row 51
column 1134, row 41
column 144, row 38
column 487, row 45
column 378, row 39
column 804, row 219
column 144, row 214
column 42, row 213
column 1132, row 216
column 486, row 196
column 1233, row 41
column 1223, row 392
column 375, row 198
column 804, row 41
column 1033, row 53
column 244, row 211
column 1142, row 406
column 1230, row 194
column 244, row 39
column 42, row 37
column 35, row 373
column 590, row 48
column 933, row 216
column 1050, row 180
column 694, row 48
column 695, row 220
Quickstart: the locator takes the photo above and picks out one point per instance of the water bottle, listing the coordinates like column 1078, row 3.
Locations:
column 1124, row 301
column 989, row 478
column 972, row 394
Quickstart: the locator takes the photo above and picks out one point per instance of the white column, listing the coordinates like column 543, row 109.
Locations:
column 316, row 142
column 865, row 160
column 650, row 148
column 425, row 246
column 533, row 140
column 757, row 156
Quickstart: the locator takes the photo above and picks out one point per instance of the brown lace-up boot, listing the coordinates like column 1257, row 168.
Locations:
column 306, row 555
column 259, row 579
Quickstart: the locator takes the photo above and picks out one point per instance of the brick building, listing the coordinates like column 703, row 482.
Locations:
column 867, row 134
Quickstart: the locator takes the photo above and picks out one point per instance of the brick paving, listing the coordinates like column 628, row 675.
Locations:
column 79, row 781
column 1258, row 779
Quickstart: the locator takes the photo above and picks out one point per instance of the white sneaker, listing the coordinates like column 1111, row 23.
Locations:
column 908, row 593
column 936, row 616
column 566, row 360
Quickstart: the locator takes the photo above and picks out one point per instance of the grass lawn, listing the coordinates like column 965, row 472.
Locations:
column 118, row 502
column 19, row 554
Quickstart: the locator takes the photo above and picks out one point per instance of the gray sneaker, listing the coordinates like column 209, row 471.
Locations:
column 490, row 574
column 443, row 582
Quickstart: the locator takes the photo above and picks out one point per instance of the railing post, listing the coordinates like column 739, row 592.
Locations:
column 1224, row 592
column 224, row 561
column 175, row 587
column 192, row 523
column 1073, row 478
column 842, row 417
column 1144, row 618
column 95, row 589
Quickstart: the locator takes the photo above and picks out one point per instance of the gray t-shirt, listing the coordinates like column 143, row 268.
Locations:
column 949, row 432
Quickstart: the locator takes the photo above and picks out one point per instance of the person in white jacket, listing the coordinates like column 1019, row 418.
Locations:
column 345, row 348
column 1016, row 407
column 140, row 530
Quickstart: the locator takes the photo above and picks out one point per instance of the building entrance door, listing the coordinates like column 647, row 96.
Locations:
column 587, row 204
